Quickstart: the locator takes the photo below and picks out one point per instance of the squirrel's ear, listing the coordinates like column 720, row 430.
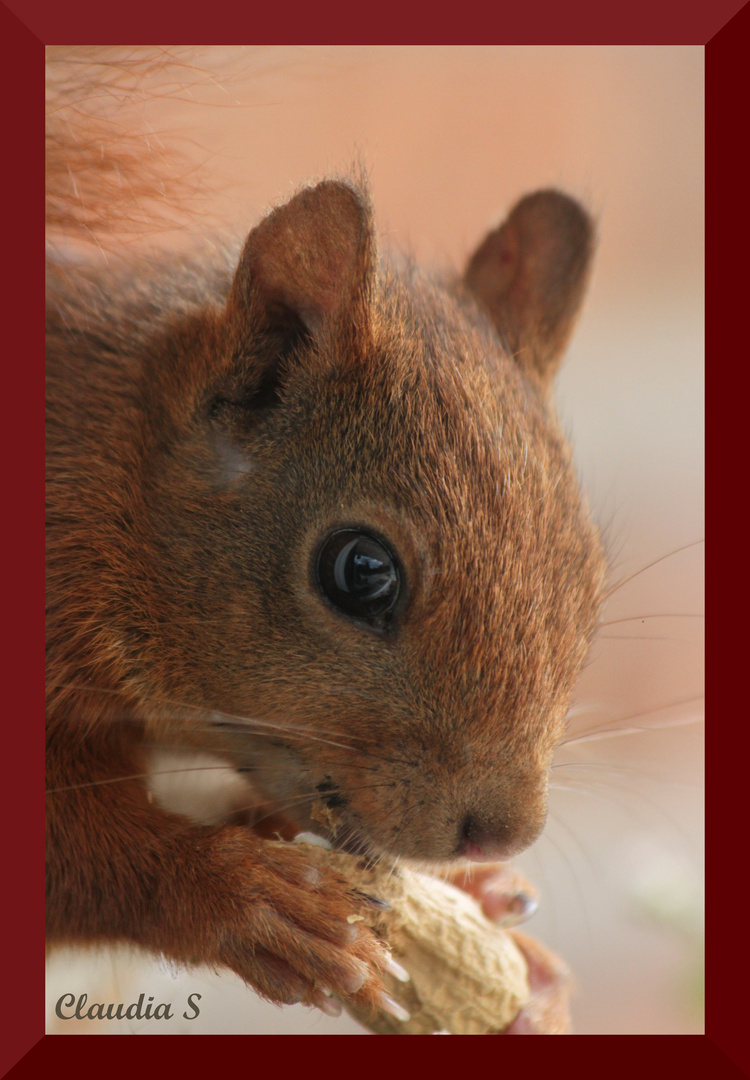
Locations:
column 531, row 274
column 309, row 264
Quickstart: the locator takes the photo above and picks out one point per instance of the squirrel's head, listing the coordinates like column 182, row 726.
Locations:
column 378, row 580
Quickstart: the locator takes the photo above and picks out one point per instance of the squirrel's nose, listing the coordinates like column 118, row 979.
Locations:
column 493, row 842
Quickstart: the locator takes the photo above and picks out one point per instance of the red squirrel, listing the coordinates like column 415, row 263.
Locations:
column 308, row 509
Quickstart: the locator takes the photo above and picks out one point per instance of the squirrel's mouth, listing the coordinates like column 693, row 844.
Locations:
column 319, row 825
column 206, row 789
column 323, row 816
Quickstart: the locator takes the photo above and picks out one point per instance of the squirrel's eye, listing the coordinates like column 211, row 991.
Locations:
column 357, row 574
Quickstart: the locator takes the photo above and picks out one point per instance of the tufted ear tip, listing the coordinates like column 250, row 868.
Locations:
column 531, row 274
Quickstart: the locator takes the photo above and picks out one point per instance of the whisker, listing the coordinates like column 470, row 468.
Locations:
column 619, row 732
column 298, row 800
column 100, row 783
column 573, row 876
column 635, row 637
column 632, row 808
column 605, row 797
column 611, row 769
column 241, row 723
column 642, row 618
column 643, row 569
column 584, row 853
column 610, row 728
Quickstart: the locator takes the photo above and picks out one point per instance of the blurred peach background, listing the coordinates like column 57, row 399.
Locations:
column 451, row 136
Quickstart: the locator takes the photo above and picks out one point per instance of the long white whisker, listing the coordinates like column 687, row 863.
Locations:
column 610, row 769
column 611, row 723
column 627, row 805
column 643, row 569
column 241, row 723
column 642, row 618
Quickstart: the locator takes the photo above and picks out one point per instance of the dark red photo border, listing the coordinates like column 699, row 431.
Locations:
column 27, row 25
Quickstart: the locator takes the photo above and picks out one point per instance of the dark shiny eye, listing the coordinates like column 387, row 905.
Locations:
column 357, row 573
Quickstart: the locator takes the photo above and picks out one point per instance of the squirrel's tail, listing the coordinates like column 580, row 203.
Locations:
column 108, row 174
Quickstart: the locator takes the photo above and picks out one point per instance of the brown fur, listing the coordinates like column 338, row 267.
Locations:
column 206, row 426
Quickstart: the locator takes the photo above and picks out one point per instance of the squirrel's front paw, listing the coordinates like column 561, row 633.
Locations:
column 548, row 1011
column 296, row 933
column 507, row 899
column 503, row 894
